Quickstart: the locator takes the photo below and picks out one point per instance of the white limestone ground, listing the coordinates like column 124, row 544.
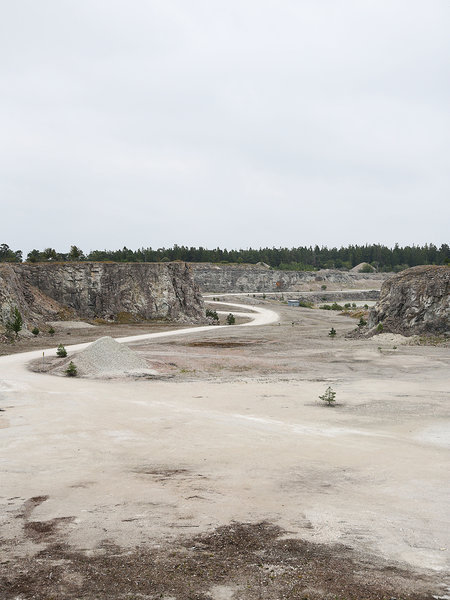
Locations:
column 70, row 325
column 139, row 461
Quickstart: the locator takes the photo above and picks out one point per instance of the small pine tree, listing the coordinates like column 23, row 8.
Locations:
column 71, row 370
column 332, row 332
column 61, row 351
column 231, row 319
column 362, row 322
column 35, row 331
column 329, row 396
column 51, row 331
column 213, row 314
column 16, row 321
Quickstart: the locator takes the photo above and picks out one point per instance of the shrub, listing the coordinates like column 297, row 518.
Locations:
column 362, row 322
column 51, row 331
column 366, row 306
column 334, row 306
column 304, row 304
column 213, row 314
column 379, row 328
column 35, row 331
column 231, row 319
column 347, row 305
column 15, row 322
column 323, row 287
column 71, row 370
column 332, row 332
column 61, row 351
column 329, row 396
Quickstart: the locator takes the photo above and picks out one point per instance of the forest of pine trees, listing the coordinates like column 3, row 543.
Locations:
column 302, row 258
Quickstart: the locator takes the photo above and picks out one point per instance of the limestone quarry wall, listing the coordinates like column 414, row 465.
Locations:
column 103, row 290
column 415, row 301
column 248, row 278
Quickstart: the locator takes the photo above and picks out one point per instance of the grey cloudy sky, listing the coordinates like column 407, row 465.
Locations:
column 224, row 123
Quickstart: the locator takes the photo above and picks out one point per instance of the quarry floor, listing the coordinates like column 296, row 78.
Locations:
column 232, row 480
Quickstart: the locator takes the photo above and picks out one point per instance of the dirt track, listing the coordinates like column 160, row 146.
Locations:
column 93, row 470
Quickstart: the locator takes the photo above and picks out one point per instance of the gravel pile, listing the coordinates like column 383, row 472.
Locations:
column 105, row 358
column 391, row 338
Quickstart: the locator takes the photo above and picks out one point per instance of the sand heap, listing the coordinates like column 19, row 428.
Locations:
column 105, row 358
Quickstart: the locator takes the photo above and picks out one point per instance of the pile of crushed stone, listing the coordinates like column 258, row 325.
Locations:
column 105, row 358
column 393, row 338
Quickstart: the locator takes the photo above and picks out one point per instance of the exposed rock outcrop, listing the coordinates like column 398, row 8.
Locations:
column 253, row 278
column 415, row 301
column 33, row 305
column 100, row 290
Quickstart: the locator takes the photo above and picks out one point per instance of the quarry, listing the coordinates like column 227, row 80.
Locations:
column 195, row 461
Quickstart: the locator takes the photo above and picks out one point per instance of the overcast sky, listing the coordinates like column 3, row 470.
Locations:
column 230, row 123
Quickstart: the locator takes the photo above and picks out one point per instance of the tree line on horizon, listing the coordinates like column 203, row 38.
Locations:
column 303, row 258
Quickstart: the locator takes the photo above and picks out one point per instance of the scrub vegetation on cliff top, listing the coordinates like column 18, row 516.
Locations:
column 302, row 258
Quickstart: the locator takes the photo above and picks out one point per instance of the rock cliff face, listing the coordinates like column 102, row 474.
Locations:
column 415, row 301
column 103, row 290
column 248, row 278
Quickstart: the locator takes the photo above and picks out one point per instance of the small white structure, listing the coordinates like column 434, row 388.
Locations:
column 293, row 302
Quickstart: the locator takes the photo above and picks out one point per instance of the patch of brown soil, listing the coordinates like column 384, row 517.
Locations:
column 252, row 559
column 223, row 343
column 40, row 531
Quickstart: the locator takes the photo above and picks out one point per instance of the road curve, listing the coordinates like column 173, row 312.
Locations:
column 13, row 366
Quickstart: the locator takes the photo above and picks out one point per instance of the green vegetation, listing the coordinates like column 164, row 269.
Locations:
column 61, row 351
column 329, row 396
column 304, row 304
column 362, row 322
column 379, row 328
column 231, row 319
column 334, row 306
column 8, row 255
column 71, row 370
column 51, row 331
column 303, row 258
column 367, row 269
column 15, row 323
column 332, row 332
column 213, row 314
column 35, row 331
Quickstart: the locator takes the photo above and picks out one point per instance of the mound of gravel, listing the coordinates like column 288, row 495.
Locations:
column 105, row 358
column 391, row 338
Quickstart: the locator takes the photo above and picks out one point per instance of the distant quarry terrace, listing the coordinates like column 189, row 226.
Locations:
column 215, row 278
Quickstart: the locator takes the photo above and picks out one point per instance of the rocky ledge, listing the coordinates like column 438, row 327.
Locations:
column 415, row 301
column 89, row 290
